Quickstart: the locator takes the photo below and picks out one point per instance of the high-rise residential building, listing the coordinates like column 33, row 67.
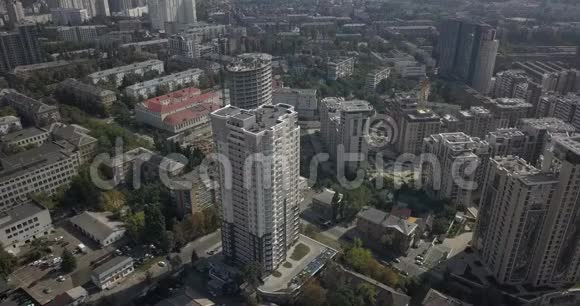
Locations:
column 185, row 44
column 258, row 188
column 249, row 78
column 162, row 11
column 342, row 125
column 305, row 101
column 19, row 47
column 69, row 16
column 566, row 108
column 467, row 52
column 15, row 12
column 504, row 142
column 506, row 82
column 454, row 152
column 527, row 229
column 540, row 132
column 508, row 111
column 477, row 121
column 414, row 126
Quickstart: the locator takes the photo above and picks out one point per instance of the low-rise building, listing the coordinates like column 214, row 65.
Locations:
column 32, row 111
column 305, row 101
column 25, row 72
column 73, row 297
column 340, row 68
column 112, row 272
column 99, row 227
column 87, row 97
column 381, row 231
column 178, row 111
column 9, row 124
column 75, row 137
column 170, row 82
column 26, row 138
column 43, row 169
column 410, row 69
column 22, row 224
column 376, row 76
column 323, row 203
column 118, row 73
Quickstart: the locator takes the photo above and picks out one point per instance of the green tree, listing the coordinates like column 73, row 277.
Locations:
column 82, row 193
column 135, row 225
column 312, row 294
column 112, row 200
column 69, row 262
column 8, row 262
column 252, row 274
column 367, row 293
column 7, row 111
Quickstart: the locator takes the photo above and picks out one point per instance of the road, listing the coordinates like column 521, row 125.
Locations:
column 201, row 246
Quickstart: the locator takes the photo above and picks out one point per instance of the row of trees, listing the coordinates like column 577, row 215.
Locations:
column 361, row 260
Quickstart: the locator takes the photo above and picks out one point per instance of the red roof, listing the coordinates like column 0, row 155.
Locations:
column 177, row 100
column 196, row 111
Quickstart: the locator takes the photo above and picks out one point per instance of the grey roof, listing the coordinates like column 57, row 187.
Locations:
column 23, row 134
column 97, row 224
column 325, row 196
column 436, row 298
column 27, row 102
column 18, row 213
column 75, row 135
column 126, row 68
column 86, row 88
column 112, row 265
column 17, row 164
column 386, row 220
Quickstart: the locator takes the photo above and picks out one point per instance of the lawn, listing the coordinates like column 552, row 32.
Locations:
column 300, row 251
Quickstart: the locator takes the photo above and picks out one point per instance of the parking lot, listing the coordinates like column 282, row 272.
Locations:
column 40, row 281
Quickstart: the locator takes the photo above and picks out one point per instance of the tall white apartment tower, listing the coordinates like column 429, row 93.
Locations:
column 258, row 193
column 162, row 11
column 250, row 80
column 528, row 229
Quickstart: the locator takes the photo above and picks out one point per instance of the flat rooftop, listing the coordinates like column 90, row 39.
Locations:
column 356, row 106
column 548, row 123
column 20, row 163
column 22, row 134
column 302, row 269
column 167, row 79
column 127, row 68
column 506, row 133
column 265, row 117
column 249, row 61
column 20, row 212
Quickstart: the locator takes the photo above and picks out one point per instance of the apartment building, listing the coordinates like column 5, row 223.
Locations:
column 170, row 82
column 69, row 16
column 410, row 69
column 259, row 192
column 414, row 126
column 457, row 171
column 507, row 82
column 342, row 126
column 178, row 111
column 42, row 169
column 250, row 80
column 118, row 73
column 20, row 47
column 185, row 44
column 373, row 225
column 32, row 111
column 540, row 133
column 22, row 224
column 192, row 194
column 339, row 68
column 508, row 111
column 477, row 121
column 505, row 142
column 304, row 101
column 526, row 231
column 26, row 138
column 85, row 96
column 376, row 76
column 112, row 272
column 564, row 107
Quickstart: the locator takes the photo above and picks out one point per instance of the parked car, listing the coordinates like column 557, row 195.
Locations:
column 397, row 260
column 162, row 264
column 61, row 278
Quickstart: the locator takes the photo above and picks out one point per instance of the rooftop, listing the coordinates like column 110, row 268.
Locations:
column 20, row 163
column 548, row 123
column 423, row 115
column 166, row 79
column 510, row 103
column 257, row 120
column 46, row 65
column 387, row 220
column 249, row 61
column 112, row 265
column 22, row 134
column 29, row 102
column 325, row 196
column 525, row 172
column 507, row 133
column 18, row 213
column 94, row 90
column 177, row 100
column 436, row 298
column 97, row 224
column 125, row 69
column 356, row 106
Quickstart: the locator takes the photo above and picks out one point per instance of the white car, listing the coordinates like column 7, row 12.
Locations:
column 61, row 278
column 162, row 264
